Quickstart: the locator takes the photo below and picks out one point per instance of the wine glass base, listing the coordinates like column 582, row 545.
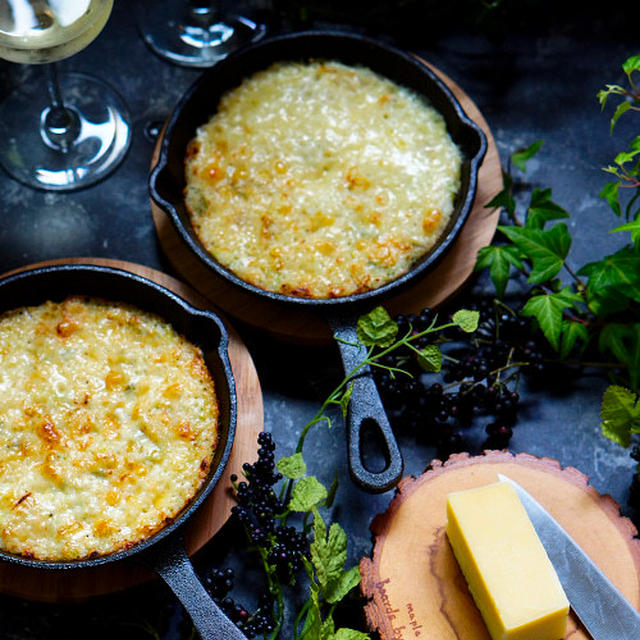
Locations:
column 194, row 45
column 103, row 134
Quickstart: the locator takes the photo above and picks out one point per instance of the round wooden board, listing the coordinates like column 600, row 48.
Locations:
column 61, row 586
column 414, row 585
column 306, row 327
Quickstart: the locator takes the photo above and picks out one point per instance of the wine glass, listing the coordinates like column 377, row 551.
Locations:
column 194, row 33
column 77, row 130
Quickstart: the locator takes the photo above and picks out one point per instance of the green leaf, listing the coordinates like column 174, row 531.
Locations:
column 612, row 339
column 611, row 194
column 338, row 588
column 327, row 631
column 542, row 209
column 499, row 259
column 546, row 250
column 466, row 320
column 430, row 359
column 292, row 467
column 611, row 89
column 631, row 64
column 634, row 225
column 307, row 493
column 344, row 633
column 620, row 109
column 547, row 310
column 328, row 553
column 521, row 156
column 504, row 198
column 345, row 398
column 312, row 627
column 626, row 156
column 620, row 414
column 377, row 328
column 571, row 333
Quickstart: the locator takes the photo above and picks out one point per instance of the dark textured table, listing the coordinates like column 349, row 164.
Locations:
column 534, row 76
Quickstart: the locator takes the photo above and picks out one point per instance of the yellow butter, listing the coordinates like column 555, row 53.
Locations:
column 506, row 567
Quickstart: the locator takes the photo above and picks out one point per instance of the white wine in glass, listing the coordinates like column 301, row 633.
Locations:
column 194, row 33
column 77, row 130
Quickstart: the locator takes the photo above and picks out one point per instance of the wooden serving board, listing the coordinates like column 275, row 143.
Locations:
column 414, row 585
column 307, row 327
column 61, row 586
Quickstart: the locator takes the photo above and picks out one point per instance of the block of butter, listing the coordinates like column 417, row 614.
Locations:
column 505, row 565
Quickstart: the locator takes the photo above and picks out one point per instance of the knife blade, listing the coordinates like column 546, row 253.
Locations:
column 597, row 602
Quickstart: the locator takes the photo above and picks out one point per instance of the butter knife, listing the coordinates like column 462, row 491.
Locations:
column 597, row 602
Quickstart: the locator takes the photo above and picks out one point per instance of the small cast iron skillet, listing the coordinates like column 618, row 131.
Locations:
column 164, row 551
column 167, row 182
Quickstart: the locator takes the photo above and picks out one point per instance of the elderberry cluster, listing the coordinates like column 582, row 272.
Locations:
column 478, row 378
column 219, row 582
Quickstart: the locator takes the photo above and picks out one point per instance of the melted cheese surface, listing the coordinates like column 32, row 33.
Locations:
column 321, row 180
column 108, row 424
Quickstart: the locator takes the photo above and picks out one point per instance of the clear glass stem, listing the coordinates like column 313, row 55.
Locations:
column 59, row 124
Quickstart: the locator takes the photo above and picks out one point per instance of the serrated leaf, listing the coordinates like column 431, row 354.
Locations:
column 546, row 249
column 292, row 466
column 430, row 359
column 376, row 328
column 626, row 156
column 328, row 553
column 620, row 109
column 466, row 319
column 547, row 310
column 620, row 414
column 344, row 633
column 521, row 156
column 542, row 209
column 610, row 193
column 338, row 588
column 307, row 493
column 631, row 64
column 499, row 259
column 572, row 332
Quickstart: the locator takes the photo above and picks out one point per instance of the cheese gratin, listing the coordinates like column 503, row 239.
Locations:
column 321, row 180
column 108, row 424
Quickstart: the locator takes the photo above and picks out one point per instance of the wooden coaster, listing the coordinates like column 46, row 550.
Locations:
column 413, row 582
column 306, row 327
column 59, row 586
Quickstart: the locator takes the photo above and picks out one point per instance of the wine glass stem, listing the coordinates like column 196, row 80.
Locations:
column 59, row 124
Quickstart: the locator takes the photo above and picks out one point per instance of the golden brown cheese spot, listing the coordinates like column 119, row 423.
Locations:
column 106, row 417
column 312, row 163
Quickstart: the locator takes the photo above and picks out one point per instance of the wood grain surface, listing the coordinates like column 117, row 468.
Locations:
column 62, row 585
column 307, row 327
column 412, row 581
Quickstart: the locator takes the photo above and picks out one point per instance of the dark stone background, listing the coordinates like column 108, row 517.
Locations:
column 533, row 69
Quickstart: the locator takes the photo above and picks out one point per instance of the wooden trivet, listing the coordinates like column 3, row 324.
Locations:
column 306, row 327
column 60, row 586
column 414, row 585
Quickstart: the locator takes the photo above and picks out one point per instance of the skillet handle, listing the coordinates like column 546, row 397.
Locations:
column 365, row 408
column 169, row 559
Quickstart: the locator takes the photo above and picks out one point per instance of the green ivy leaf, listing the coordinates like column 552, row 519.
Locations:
column 377, row 328
column 306, row 494
column 610, row 193
column 521, row 156
column 499, row 259
column 542, row 209
column 504, row 198
column 610, row 89
column 293, row 467
column 612, row 339
column 344, row 633
column 547, row 310
column 626, row 156
column 620, row 414
column 634, row 225
column 622, row 108
column 430, row 359
column 338, row 588
column 546, row 250
column 312, row 627
column 328, row 553
column 466, row 320
column 344, row 400
column 631, row 64
column 571, row 333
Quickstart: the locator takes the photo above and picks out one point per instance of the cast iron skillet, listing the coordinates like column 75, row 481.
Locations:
column 163, row 552
column 167, row 183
